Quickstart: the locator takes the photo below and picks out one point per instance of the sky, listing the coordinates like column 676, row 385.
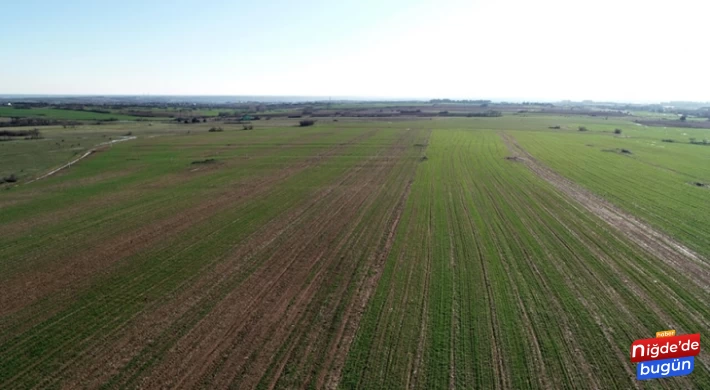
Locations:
column 622, row 50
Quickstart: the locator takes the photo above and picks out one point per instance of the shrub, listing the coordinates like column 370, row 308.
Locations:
column 486, row 114
column 9, row 179
column 582, row 128
column 667, row 140
column 29, row 134
column 215, row 129
column 34, row 134
column 17, row 122
column 248, row 127
column 307, row 122
column 205, row 161
column 617, row 131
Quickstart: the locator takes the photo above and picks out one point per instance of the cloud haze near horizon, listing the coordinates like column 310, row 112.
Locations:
column 546, row 50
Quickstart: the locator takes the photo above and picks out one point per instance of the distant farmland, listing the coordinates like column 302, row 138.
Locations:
column 55, row 113
column 492, row 253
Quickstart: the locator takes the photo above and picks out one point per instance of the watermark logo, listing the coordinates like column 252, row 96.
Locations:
column 665, row 333
column 666, row 355
column 665, row 368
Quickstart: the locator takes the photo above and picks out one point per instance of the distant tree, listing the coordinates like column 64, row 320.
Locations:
column 305, row 123
column 486, row 114
column 617, row 131
column 195, row 120
column 582, row 128
column 683, row 118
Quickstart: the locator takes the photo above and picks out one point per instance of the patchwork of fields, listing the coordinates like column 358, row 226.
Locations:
column 446, row 253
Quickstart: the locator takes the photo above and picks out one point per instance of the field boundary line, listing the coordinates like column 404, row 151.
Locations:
column 655, row 242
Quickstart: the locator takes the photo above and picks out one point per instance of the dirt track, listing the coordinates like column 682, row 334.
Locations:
column 653, row 241
column 83, row 156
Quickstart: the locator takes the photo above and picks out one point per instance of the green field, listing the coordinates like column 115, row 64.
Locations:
column 432, row 254
column 60, row 114
column 656, row 181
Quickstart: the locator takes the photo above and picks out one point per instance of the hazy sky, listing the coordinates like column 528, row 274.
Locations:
column 546, row 49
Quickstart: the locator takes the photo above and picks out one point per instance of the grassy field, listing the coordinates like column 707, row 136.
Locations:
column 28, row 159
column 54, row 113
column 512, row 287
column 656, row 180
column 436, row 253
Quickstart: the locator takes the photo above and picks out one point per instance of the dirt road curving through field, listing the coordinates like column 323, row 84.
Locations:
column 83, row 156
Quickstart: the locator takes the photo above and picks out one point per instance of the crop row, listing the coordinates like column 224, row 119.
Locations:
column 52, row 350
column 498, row 281
column 656, row 184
